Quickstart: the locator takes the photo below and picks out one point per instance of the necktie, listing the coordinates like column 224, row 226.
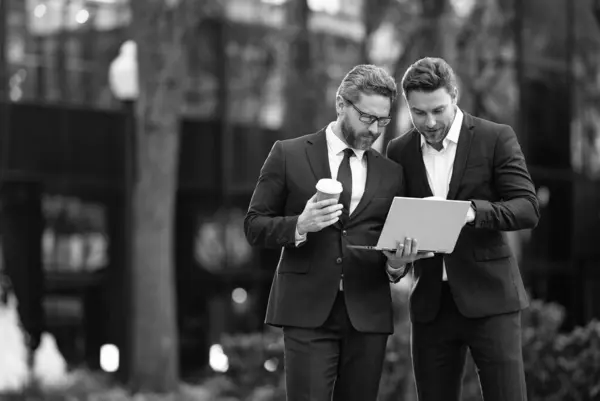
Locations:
column 345, row 177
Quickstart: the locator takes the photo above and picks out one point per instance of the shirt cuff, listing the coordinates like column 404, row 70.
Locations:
column 394, row 275
column 471, row 213
column 300, row 238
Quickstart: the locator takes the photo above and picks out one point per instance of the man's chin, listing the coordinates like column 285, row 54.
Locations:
column 364, row 145
column 433, row 141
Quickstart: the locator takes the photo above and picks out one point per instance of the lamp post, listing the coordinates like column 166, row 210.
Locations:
column 123, row 73
column 123, row 81
column 4, row 98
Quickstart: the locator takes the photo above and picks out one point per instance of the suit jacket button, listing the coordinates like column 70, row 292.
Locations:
column 338, row 261
column 344, row 233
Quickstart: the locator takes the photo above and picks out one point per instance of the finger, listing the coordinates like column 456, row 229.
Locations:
column 332, row 209
column 328, row 216
column 389, row 254
column 425, row 255
column 325, row 202
column 407, row 246
column 415, row 247
column 328, row 222
column 313, row 198
column 399, row 249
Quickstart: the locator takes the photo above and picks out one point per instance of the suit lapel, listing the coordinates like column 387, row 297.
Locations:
column 318, row 158
column 462, row 154
column 374, row 175
column 316, row 151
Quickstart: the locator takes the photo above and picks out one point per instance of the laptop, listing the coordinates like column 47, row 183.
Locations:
column 434, row 222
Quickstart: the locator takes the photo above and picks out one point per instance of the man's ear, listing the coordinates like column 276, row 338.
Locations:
column 455, row 97
column 339, row 105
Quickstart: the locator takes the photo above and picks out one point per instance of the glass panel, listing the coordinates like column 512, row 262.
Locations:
column 75, row 235
column 220, row 242
column 585, row 136
column 60, row 50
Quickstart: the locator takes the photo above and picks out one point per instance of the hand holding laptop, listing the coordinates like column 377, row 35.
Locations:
column 406, row 252
column 469, row 218
column 436, row 222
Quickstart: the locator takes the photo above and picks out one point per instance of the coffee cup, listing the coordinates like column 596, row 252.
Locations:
column 328, row 188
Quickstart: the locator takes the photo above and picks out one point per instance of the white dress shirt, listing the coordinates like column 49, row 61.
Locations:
column 439, row 165
column 358, row 165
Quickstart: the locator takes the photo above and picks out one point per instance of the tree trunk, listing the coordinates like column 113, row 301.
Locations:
column 157, row 29
column 21, row 225
column 300, row 92
column 373, row 12
column 428, row 40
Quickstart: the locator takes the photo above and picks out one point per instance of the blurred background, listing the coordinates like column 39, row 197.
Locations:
column 257, row 71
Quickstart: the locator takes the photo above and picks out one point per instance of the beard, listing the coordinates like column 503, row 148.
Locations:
column 356, row 140
column 435, row 138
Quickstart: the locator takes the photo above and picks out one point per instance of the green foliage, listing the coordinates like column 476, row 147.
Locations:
column 85, row 385
column 255, row 366
column 559, row 366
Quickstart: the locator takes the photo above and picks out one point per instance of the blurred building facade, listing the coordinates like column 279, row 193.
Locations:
column 64, row 150
column 63, row 160
column 558, row 68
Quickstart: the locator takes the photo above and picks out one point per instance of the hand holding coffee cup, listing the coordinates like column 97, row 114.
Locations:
column 322, row 209
column 328, row 188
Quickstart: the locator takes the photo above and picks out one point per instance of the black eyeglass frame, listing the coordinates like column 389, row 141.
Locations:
column 367, row 118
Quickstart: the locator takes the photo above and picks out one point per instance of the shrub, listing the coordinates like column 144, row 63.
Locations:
column 558, row 366
column 255, row 366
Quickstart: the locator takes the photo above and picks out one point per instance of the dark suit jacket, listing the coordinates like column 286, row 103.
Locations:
column 307, row 278
column 489, row 170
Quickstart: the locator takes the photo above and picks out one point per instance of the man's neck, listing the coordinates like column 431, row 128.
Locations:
column 337, row 130
column 437, row 146
column 440, row 145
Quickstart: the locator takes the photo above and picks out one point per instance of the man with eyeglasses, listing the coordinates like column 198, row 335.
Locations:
column 333, row 302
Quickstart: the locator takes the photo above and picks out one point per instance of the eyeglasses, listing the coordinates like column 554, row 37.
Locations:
column 368, row 118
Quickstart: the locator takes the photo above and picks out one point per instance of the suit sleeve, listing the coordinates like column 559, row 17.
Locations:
column 518, row 208
column 265, row 224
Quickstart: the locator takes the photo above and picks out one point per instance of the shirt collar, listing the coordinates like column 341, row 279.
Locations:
column 454, row 132
column 336, row 145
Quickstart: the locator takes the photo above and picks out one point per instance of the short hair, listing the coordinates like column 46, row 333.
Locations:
column 429, row 74
column 368, row 79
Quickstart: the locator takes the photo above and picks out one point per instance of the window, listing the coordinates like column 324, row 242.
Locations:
column 75, row 235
